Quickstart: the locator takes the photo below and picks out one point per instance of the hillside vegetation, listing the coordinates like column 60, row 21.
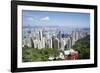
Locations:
column 83, row 47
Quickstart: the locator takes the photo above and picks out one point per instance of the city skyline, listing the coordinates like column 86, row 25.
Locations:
column 45, row 18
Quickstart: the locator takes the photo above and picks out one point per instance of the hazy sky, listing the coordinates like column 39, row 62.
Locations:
column 68, row 19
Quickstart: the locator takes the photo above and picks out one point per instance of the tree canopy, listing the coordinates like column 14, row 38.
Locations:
column 32, row 54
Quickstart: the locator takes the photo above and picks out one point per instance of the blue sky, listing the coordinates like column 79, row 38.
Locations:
column 68, row 19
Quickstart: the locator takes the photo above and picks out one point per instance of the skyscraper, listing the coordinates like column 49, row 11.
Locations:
column 55, row 43
column 40, row 34
column 69, row 42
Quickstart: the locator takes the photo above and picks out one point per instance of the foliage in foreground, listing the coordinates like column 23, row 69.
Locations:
column 32, row 54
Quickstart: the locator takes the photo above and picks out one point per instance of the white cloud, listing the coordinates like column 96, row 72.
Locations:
column 45, row 18
column 31, row 19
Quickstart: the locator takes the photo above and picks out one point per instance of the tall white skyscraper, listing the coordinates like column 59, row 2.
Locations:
column 35, row 43
column 69, row 42
column 62, row 44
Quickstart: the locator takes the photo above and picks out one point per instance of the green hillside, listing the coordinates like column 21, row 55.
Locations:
column 83, row 47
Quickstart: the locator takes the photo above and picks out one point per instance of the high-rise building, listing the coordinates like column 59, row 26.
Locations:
column 73, row 37
column 28, row 42
column 40, row 34
column 69, row 42
column 55, row 43
column 59, row 35
column 48, row 43
column 62, row 44
column 35, row 43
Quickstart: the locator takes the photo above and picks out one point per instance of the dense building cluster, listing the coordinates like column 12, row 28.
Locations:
column 47, row 38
